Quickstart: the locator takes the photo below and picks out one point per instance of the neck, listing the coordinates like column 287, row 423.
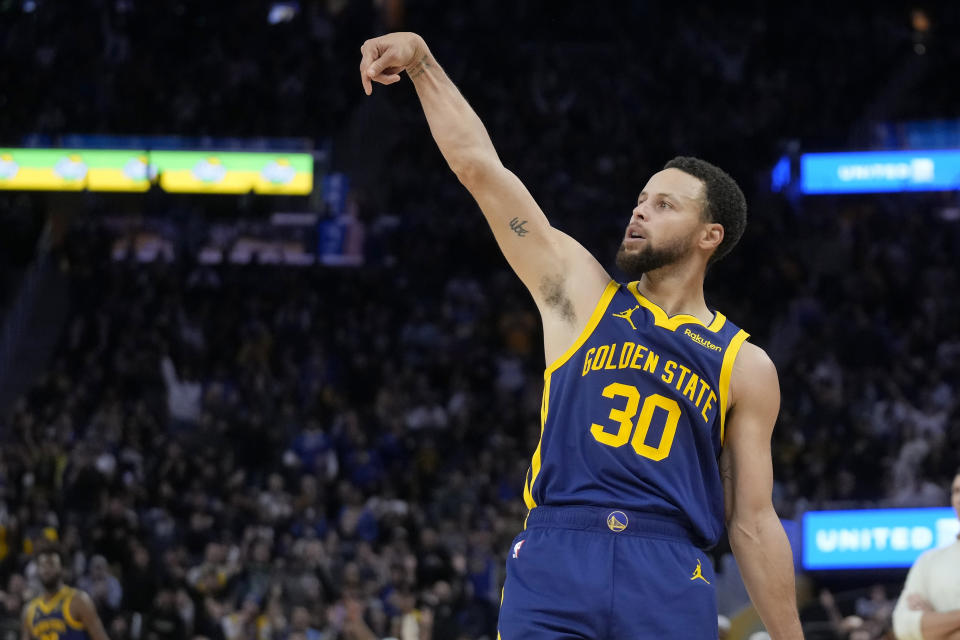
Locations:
column 49, row 593
column 677, row 289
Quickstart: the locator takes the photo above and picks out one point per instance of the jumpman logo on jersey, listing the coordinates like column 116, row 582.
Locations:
column 626, row 316
column 698, row 574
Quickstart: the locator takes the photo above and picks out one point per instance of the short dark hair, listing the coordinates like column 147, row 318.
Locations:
column 725, row 203
column 48, row 547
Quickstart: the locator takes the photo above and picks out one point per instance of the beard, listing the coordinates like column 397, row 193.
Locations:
column 51, row 582
column 636, row 263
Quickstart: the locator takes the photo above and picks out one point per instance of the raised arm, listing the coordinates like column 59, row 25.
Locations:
column 757, row 538
column 564, row 279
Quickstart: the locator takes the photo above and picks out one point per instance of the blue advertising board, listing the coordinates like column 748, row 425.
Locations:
column 874, row 538
column 880, row 171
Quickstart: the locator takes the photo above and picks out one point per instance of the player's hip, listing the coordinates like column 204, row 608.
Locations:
column 626, row 575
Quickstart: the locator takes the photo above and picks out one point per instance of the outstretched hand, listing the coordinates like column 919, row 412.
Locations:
column 385, row 57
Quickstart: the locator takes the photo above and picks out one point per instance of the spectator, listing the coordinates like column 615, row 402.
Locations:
column 163, row 622
column 183, row 395
column 102, row 586
column 247, row 622
column 141, row 581
column 929, row 605
column 300, row 625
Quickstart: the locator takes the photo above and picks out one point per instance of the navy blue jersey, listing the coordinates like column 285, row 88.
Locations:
column 633, row 414
column 51, row 620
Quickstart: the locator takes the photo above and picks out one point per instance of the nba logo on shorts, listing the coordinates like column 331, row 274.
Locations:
column 516, row 548
column 617, row 521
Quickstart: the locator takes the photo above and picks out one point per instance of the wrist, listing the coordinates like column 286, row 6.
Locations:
column 421, row 57
column 420, row 47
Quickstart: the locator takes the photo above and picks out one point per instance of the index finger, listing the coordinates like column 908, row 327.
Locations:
column 366, row 61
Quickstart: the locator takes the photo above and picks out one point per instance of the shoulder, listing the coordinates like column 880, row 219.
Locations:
column 754, row 376
column 753, row 360
column 81, row 609
column 80, row 601
column 932, row 557
column 922, row 566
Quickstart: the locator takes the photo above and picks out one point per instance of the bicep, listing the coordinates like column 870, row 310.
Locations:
column 83, row 609
column 746, row 461
column 544, row 258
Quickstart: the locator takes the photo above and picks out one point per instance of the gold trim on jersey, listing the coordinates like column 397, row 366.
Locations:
column 30, row 615
column 661, row 319
column 535, row 461
column 47, row 606
column 726, row 371
column 592, row 323
column 67, row 616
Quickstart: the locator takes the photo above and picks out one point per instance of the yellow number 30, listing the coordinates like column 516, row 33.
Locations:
column 625, row 418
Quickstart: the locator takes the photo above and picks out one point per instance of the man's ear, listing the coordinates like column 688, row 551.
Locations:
column 712, row 236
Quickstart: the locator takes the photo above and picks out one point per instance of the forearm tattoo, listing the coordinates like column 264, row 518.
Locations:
column 419, row 68
column 516, row 225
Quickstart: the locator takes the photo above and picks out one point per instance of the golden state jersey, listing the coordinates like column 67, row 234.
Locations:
column 633, row 415
column 51, row 619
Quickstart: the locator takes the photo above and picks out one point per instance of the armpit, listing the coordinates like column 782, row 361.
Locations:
column 555, row 297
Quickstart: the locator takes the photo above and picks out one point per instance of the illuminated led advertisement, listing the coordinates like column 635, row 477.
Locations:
column 880, row 171
column 74, row 170
column 874, row 538
column 136, row 170
column 234, row 172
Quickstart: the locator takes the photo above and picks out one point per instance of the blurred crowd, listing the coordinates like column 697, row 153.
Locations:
column 248, row 451
column 259, row 452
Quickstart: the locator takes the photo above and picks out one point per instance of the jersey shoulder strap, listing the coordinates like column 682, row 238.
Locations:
column 67, row 615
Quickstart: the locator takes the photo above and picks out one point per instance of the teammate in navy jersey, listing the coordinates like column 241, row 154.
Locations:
column 60, row 612
column 657, row 413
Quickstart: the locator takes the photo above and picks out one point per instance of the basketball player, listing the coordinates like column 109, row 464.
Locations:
column 656, row 416
column 60, row 612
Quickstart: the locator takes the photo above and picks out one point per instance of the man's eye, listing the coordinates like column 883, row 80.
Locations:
column 665, row 205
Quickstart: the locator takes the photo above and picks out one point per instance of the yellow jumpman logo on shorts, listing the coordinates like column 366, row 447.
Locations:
column 697, row 573
column 626, row 316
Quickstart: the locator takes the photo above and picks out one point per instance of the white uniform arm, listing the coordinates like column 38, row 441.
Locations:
column 906, row 622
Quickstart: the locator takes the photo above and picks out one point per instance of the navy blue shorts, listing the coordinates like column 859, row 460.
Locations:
column 603, row 574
